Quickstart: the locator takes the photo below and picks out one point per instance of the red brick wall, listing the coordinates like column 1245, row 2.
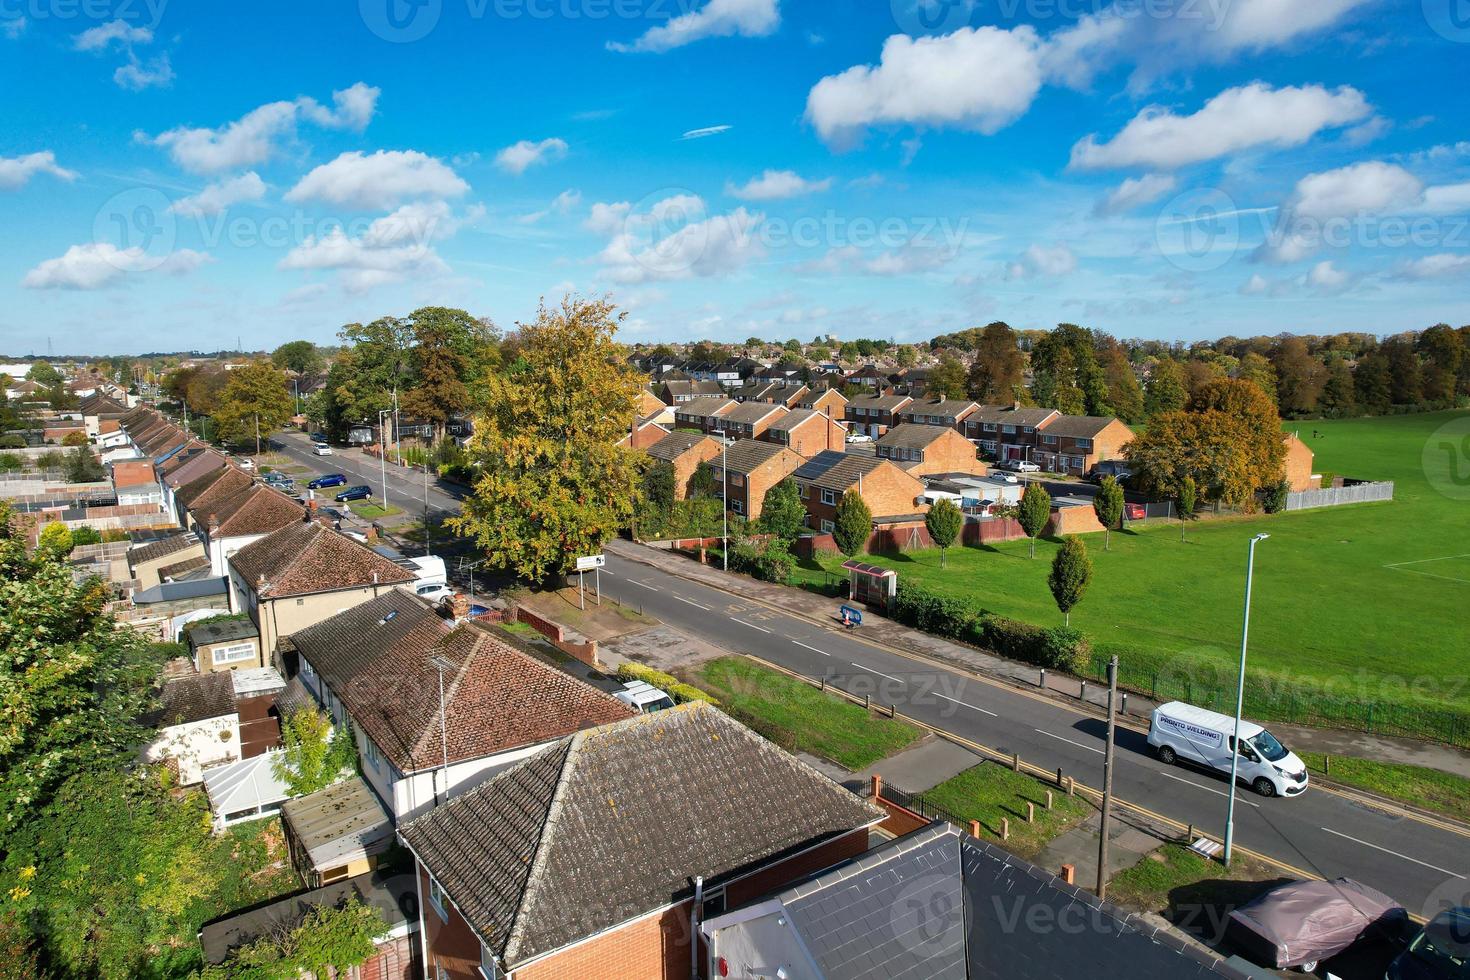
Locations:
column 451, row 944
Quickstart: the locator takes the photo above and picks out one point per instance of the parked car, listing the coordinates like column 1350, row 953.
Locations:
column 321, row 449
column 1135, row 512
column 1118, row 469
column 644, row 698
column 1441, row 951
column 354, row 493
column 320, row 437
column 1301, row 923
column 246, row 463
column 435, row 592
column 330, row 480
column 1021, row 466
column 858, row 437
column 1184, row 733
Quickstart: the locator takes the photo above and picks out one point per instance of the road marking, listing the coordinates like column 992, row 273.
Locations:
column 878, row 672
column 965, row 704
column 751, row 625
column 642, row 586
column 1217, row 792
column 1396, row 854
column 692, row 603
column 1070, row 742
column 811, row 648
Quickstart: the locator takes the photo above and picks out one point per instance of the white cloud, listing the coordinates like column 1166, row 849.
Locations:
column 607, row 219
column 137, row 75
column 362, row 266
column 100, row 38
column 1361, row 190
column 775, row 185
column 705, row 132
column 1445, row 199
column 15, row 172
column 378, row 181
column 908, row 260
column 419, row 222
column 522, row 156
column 563, row 203
column 1237, row 119
column 718, row 18
column 979, row 79
column 218, row 197
column 1255, row 286
column 674, row 239
column 1135, row 192
column 1442, row 266
column 1327, row 277
column 13, row 27
column 102, row 264
column 1040, row 260
column 252, row 139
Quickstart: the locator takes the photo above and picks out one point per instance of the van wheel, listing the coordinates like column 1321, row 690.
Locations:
column 1309, row 967
column 1166, row 755
column 1266, row 788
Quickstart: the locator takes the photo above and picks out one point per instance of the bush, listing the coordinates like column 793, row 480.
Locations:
column 1065, row 649
column 85, row 535
column 1274, row 499
column 668, row 683
column 769, row 562
column 932, row 613
column 1055, row 649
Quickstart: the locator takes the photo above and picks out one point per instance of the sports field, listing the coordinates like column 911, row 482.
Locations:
column 1367, row 603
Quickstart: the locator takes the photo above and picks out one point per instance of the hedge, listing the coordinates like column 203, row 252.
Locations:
column 1055, row 649
column 668, row 683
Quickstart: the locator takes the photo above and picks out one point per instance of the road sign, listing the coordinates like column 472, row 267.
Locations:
column 591, row 562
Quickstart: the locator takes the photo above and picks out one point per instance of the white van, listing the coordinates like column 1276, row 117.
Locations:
column 1182, row 732
column 644, row 698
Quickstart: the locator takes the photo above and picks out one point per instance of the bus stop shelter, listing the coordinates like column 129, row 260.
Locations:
column 871, row 585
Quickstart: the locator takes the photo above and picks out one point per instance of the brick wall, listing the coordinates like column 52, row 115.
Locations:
column 586, row 651
column 817, row 434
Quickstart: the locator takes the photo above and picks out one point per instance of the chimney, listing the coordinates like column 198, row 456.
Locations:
column 1016, row 405
column 213, row 526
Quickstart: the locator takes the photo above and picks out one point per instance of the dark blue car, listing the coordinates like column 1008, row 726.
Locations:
column 330, row 480
column 354, row 493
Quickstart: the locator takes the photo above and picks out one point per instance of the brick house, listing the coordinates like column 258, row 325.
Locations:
column 1007, row 433
column 747, row 420
column 875, row 414
column 684, row 451
column 754, row 467
column 944, row 411
column 891, row 494
column 646, row 404
column 782, row 392
column 829, row 400
column 644, row 434
column 599, row 856
column 806, row 432
column 929, row 450
column 1074, row 444
column 677, row 392
column 1298, row 465
column 700, row 413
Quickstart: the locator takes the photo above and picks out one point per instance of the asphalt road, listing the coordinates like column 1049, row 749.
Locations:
column 1419, row 863
column 405, row 490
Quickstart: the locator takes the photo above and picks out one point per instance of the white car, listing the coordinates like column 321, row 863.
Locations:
column 1024, row 467
column 246, row 463
column 858, row 437
column 644, row 698
column 321, row 449
column 435, row 592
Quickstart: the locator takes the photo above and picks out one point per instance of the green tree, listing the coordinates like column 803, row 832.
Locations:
column 1108, row 503
column 905, row 356
column 1186, row 500
column 255, row 399
column 702, row 482
column 1125, row 394
column 852, row 524
column 300, row 356
column 328, row 941
column 554, row 483
column 658, row 485
column 782, row 513
column 43, row 374
column 1034, row 512
column 1166, row 389
column 998, row 371
column 1071, row 571
column 452, row 356
column 82, row 467
column 55, row 540
column 1276, row 495
column 944, row 522
column 11, row 463
column 314, row 755
column 74, row 439
column 947, row 378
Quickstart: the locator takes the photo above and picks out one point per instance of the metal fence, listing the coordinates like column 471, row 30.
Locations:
column 918, row 804
column 1358, row 493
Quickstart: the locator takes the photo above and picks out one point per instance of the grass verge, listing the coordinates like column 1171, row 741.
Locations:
column 799, row 717
column 1192, row 891
column 1428, row 789
column 990, row 792
column 371, row 512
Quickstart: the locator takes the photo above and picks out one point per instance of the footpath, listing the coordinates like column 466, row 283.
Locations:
column 1135, row 708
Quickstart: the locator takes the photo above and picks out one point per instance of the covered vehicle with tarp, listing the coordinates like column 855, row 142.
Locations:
column 1302, row 923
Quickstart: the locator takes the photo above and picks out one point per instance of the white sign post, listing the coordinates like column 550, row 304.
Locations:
column 592, row 563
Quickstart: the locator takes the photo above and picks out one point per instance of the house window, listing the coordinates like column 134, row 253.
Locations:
column 439, row 900
column 806, row 491
column 234, row 653
column 1049, row 440
column 1009, row 430
column 827, row 527
column 373, row 756
column 737, row 506
column 829, row 497
column 988, row 426
column 1084, row 444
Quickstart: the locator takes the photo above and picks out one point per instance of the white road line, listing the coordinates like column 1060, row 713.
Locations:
column 965, row 704
column 692, row 603
column 1396, row 854
column 878, row 672
column 1217, row 792
column 751, row 625
column 642, row 586
column 1070, row 742
column 811, row 648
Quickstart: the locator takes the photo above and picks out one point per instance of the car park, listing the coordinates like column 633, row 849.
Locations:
column 321, row 449
column 1182, row 732
column 354, row 493
column 324, row 482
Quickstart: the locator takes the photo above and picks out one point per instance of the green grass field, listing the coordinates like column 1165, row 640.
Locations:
column 1367, row 602
column 990, row 792
column 1428, row 789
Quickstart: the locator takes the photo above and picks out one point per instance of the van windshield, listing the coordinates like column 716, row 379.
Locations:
column 1266, row 744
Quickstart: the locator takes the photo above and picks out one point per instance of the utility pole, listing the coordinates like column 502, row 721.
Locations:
column 257, row 433
column 428, row 531
column 1107, row 804
column 725, row 501
column 383, row 455
column 1245, row 630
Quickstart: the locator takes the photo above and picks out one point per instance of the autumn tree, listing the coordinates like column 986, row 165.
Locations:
column 1071, row 572
column 554, row 484
column 1186, row 501
column 944, row 522
column 1125, row 394
column 998, row 371
column 313, row 755
column 1108, row 504
column 1034, row 512
column 852, row 524
column 255, row 400
column 300, row 356
column 452, row 355
column 1300, row 376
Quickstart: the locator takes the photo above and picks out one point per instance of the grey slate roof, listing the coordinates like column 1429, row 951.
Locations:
column 1010, row 415
column 196, row 698
column 748, row 454
column 572, row 841
column 163, row 547
column 1077, row 426
column 674, row 445
column 912, row 436
column 836, row 470
column 220, row 630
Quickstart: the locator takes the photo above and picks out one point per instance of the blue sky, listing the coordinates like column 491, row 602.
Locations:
column 177, row 175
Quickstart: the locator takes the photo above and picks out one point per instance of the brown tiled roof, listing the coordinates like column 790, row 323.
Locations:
column 293, row 697
column 212, row 491
column 181, row 568
column 705, row 406
column 197, row 697
column 912, row 436
column 259, row 510
column 1077, row 426
column 749, row 413
column 164, row 547
column 192, row 467
column 133, row 473
column 889, row 402
column 305, row 557
column 1010, row 415
column 748, row 454
column 615, row 822
column 675, row 444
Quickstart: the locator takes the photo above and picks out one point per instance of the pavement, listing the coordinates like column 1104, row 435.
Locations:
column 1420, row 861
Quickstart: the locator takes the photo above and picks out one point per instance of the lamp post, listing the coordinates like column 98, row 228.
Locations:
column 383, row 454
column 1245, row 628
column 725, row 502
column 441, row 663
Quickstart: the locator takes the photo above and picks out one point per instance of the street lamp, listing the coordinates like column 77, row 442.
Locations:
column 1245, row 628
column 725, row 501
column 442, row 663
column 383, row 454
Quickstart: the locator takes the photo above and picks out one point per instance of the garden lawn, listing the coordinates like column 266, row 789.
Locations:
column 799, row 717
column 1172, row 877
column 989, row 792
column 1428, row 789
column 1367, row 601
column 371, row 512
